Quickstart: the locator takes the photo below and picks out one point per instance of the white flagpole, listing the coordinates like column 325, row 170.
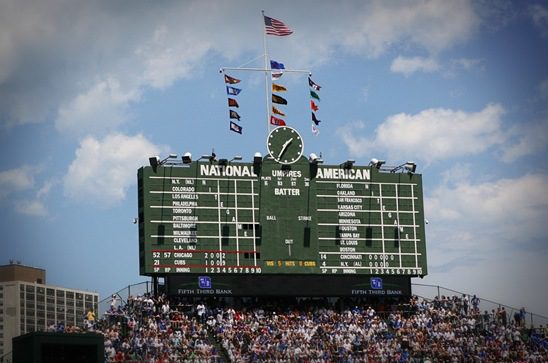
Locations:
column 266, row 83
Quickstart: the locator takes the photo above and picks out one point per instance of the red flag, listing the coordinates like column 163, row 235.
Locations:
column 276, row 121
column 232, row 103
column 313, row 106
column 231, row 80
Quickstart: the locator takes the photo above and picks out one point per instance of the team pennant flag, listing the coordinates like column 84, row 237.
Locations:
column 276, row 65
column 232, row 103
column 315, row 120
column 278, row 88
column 233, row 114
column 277, row 112
column 314, row 95
column 235, row 127
column 276, row 121
column 315, row 130
column 278, row 99
column 276, row 27
column 232, row 80
column 276, row 75
column 313, row 106
column 232, row 90
column 313, row 85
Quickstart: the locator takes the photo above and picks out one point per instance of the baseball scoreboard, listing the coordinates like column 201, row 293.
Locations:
column 267, row 218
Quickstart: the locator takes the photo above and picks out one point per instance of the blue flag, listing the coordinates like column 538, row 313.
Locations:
column 232, row 90
column 235, row 127
column 276, row 65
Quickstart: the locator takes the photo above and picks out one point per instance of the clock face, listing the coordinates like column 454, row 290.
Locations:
column 285, row 145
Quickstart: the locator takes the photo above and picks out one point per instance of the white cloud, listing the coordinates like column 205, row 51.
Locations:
column 103, row 107
column 82, row 64
column 539, row 14
column 543, row 89
column 31, row 208
column 532, row 137
column 431, row 135
column 483, row 232
column 433, row 25
column 514, row 206
column 103, row 170
column 16, row 179
column 409, row 65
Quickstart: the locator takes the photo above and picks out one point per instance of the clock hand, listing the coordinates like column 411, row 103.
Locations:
column 285, row 145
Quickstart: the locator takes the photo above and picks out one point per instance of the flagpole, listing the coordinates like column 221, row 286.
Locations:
column 266, row 77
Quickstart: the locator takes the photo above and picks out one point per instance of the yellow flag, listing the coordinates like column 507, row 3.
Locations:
column 277, row 112
column 278, row 88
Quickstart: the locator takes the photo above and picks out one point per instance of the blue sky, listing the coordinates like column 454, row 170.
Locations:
column 90, row 90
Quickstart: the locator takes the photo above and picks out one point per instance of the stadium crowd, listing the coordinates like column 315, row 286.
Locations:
column 446, row 329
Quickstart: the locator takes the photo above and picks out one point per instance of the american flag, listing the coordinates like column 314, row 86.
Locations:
column 276, row 27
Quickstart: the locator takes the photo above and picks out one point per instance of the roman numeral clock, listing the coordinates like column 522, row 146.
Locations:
column 285, row 145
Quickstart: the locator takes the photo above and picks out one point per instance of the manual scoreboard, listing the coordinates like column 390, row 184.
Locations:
column 210, row 218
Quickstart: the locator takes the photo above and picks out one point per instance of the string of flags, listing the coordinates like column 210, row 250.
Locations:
column 276, row 70
column 233, row 103
column 314, row 89
column 277, row 28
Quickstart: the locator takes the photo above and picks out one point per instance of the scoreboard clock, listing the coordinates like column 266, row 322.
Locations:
column 285, row 145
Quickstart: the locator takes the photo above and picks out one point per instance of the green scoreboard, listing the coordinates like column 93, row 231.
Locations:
column 272, row 218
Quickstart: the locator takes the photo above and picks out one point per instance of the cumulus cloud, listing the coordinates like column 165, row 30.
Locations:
column 484, row 230
column 101, row 108
column 31, row 207
column 407, row 65
column 539, row 15
column 83, row 63
column 429, row 136
column 433, row 25
column 493, row 204
column 16, row 179
column 530, row 137
column 104, row 169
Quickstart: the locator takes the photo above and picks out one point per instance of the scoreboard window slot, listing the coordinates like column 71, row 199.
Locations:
column 396, row 237
column 368, row 236
column 337, row 235
column 258, row 234
column 248, row 255
column 161, row 232
column 306, row 240
column 225, row 231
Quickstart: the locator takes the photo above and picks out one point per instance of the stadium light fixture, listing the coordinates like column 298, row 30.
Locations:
column 211, row 157
column 314, row 159
column 409, row 166
column 348, row 164
column 377, row 163
column 154, row 161
column 225, row 162
column 187, row 158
